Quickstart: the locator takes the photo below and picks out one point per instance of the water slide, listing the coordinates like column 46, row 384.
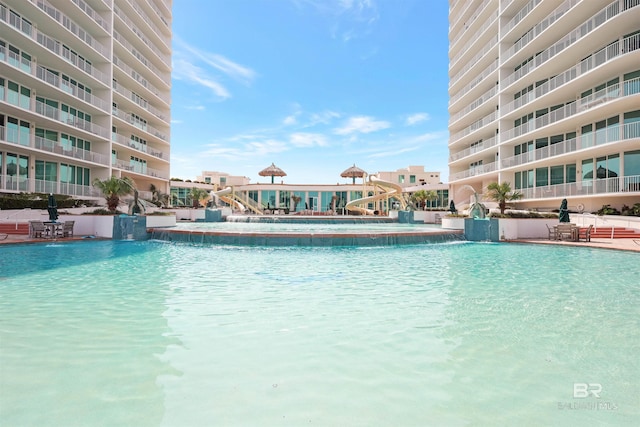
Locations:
column 228, row 196
column 389, row 190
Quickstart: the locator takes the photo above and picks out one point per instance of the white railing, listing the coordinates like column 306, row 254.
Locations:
column 539, row 28
column 490, row 118
column 488, row 143
column 164, row 77
column 604, row 15
column 473, row 61
column 474, row 171
column 145, row 128
column 602, row 56
column 42, row 186
column 608, row 94
column 92, row 14
column 475, row 104
column 469, row 45
column 157, row 31
column 483, row 75
column 138, row 100
column 43, row 109
column 51, row 44
column 520, row 15
column 625, row 184
column 72, row 26
column 586, row 140
column 140, row 169
column 143, row 148
column 165, row 58
column 136, row 76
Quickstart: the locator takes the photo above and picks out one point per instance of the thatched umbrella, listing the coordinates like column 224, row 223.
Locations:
column 272, row 171
column 353, row 172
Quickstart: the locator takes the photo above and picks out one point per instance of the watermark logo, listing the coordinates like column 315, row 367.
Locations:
column 593, row 393
column 583, row 390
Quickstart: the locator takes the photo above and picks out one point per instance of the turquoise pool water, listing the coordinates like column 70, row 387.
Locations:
column 161, row 334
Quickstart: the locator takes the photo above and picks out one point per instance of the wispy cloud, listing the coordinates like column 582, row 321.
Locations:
column 350, row 18
column 207, row 69
column 362, row 124
column 308, row 140
column 416, row 118
column 195, row 107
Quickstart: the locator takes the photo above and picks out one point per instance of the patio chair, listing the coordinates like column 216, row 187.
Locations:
column 37, row 229
column 67, row 229
column 585, row 233
column 552, row 232
column 567, row 232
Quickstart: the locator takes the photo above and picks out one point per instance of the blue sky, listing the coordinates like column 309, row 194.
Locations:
column 313, row 86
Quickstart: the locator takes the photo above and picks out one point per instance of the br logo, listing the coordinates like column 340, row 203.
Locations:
column 582, row 390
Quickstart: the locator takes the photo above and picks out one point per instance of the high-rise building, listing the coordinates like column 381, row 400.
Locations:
column 85, row 92
column 545, row 95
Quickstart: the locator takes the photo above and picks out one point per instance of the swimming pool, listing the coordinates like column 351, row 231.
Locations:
column 166, row 334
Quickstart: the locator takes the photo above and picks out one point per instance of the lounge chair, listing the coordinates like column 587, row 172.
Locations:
column 552, row 232
column 37, row 229
column 67, row 229
column 585, row 233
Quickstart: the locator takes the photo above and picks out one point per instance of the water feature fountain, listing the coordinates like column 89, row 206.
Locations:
column 478, row 227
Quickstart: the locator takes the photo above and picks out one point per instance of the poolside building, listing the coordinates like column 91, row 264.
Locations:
column 545, row 95
column 85, row 92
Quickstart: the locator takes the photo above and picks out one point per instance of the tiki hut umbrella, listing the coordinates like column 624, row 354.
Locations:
column 272, row 171
column 353, row 172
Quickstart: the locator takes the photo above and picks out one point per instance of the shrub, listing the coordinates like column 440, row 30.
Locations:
column 607, row 210
column 102, row 211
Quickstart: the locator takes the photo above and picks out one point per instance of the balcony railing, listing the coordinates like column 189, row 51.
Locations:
column 616, row 185
column 140, row 169
column 142, row 103
column 92, row 14
column 28, row 139
column 51, row 44
column 520, row 15
column 165, row 58
column 135, row 75
column 72, row 26
column 539, row 28
column 474, row 171
column 483, row 75
column 488, row 23
column 65, row 188
column 145, row 128
column 473, row 61
column 490, row 118
column 604, row 15
column 56, row 114
column 614, row 50
column 134, row 4
column 488, row 143
column 164, row 77
column 475, row 104
column 586, row 140
column 608, row 94
column 143, row 148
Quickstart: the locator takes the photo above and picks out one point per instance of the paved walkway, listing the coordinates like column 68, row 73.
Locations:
column 617, row 244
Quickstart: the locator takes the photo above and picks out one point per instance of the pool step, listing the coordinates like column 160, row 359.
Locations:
column 618, row 233
column 13, row 228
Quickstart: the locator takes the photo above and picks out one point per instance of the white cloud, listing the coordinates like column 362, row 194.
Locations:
column 184, row 70
column 195, row 107
column 290, row 120
column 362, row 124
column 417, row 118
column 308, row 140
column 349, row 18
column 322, row 118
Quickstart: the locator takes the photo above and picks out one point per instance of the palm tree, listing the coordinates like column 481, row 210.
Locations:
column 158, row 197
column 431, row 196
column 197, row 196
column 114, row 188
column 295, row 199
column 501, row 193
column 419, row 197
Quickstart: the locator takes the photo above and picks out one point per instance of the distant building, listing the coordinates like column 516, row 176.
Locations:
column 411, row 176
column 545, row 95
column 222, row 179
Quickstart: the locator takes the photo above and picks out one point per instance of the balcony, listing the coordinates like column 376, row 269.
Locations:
column 28, row 139
column 490, row 118
column 474, row 105
column 163, row 57
column 616, row 185
column 584, row 141
column 604, row 15
column 614, row 50
column 163, row 77
column 145, row 127
column 474, row 171
column 609, row 94
column 52, row 45
column 491, row 142
column 475, row 82
column 522, row 13
column 138, row 101
column 140, row 169
column 142, row 148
